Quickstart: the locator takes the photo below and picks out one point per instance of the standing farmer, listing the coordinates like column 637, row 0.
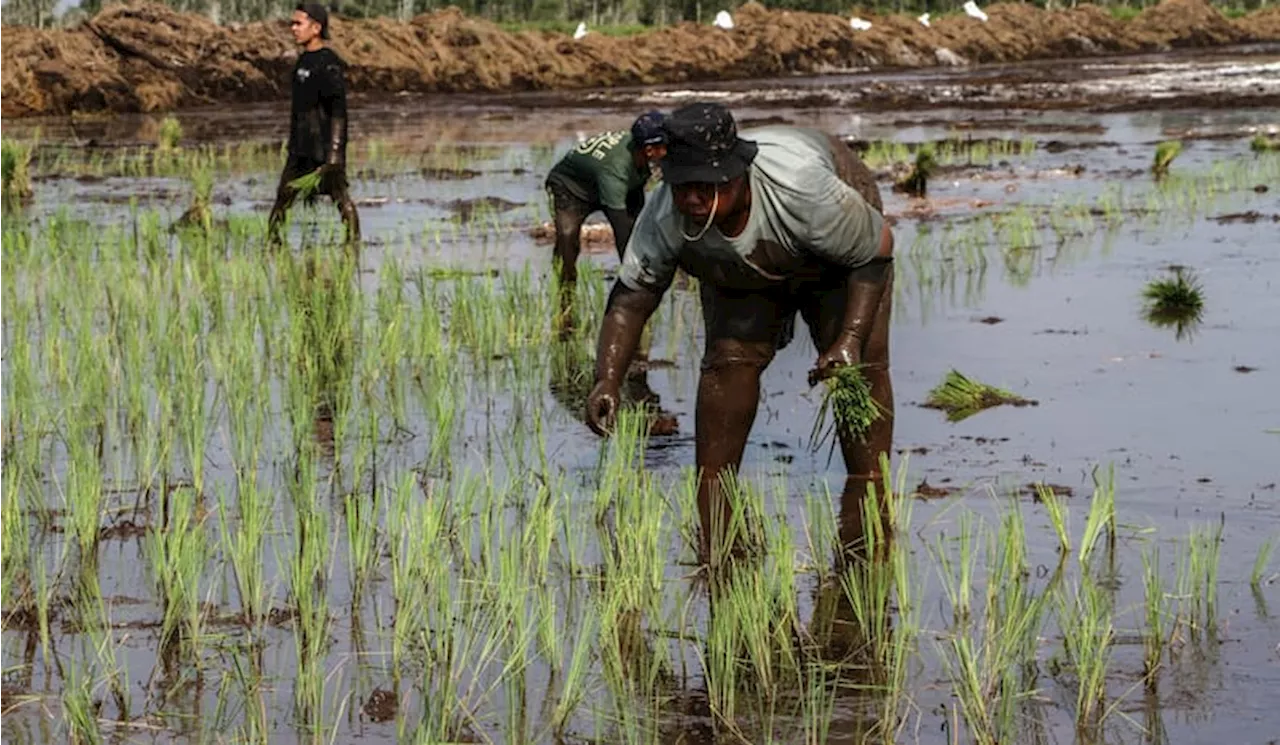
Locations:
column 606, row 172
column 787, row 221
column 317, row 123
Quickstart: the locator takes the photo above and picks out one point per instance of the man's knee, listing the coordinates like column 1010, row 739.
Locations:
column 731, row 353
column 567, row 222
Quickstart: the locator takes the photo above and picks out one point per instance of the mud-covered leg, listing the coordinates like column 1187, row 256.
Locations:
column 728, row 394
column 861, row 457
column 568, row 223
column 285, row 196
column 350, row 216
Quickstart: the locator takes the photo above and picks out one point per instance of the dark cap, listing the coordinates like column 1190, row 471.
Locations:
column 319, row 14
column 703, row 146
column 647, row 130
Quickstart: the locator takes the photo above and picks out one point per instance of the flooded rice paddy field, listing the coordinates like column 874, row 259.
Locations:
column 308, row 496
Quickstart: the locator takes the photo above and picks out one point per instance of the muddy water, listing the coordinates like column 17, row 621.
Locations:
column 1191, row 435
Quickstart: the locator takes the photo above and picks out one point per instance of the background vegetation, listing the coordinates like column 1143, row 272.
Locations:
column 545, row 14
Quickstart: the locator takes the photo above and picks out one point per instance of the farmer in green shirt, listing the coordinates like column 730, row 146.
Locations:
column 606, row 172
column 777, row 222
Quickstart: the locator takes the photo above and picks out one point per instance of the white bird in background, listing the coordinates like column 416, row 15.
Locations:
column 723, row 19
column 923, row 18
column 581, row 32
column 858, row 24
column 972, row 9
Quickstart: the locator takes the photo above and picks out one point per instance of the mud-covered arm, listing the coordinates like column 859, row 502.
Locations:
column 333, row 97
column 648, row 267
column 626, row 313
column 622, row 222
column 850, row 233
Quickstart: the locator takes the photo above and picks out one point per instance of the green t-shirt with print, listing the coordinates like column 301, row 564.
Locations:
column 600, row 170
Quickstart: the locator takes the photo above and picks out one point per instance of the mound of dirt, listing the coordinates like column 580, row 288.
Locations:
column 147, row 57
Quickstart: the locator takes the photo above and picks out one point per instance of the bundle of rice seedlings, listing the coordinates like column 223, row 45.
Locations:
column 170, row 134
column 916, row 183
column 847, row 404
column 1264, row 144
column 200, row 214
column 962, row 397
column 307, row 185
column 1165, row 153
column 15, row 170
column 1181, row 293
column 1176, row 301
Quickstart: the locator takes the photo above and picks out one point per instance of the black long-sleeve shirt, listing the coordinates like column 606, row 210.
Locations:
column 319, row 103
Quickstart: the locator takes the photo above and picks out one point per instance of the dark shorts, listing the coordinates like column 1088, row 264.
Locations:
column 766, row 319
column 568, row 204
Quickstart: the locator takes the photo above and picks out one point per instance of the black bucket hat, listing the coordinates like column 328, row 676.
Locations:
column 319, row 14
column 703, row 146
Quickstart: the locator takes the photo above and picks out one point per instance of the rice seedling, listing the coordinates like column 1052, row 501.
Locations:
column 78, row 707
column 962, row 397
column 363, row 546
column 1199, row 584
column 1156, row 634
column 879, row 582
column 916, row 182
column 15, row 172
column 1102, row 515
column 1165, row 154
column 1056, row 507
column 169, row 135
column 1261, row 143
column 957, row 582
column 245, row 547
column 178, row 552
column 1260, row 562
column 1176, row 301
column 200, row 213
column 1085, row 619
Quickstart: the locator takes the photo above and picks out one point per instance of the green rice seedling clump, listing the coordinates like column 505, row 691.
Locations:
column 307, row 184
column 916, row 183
column 170, row 134
column 1165, row 154
column 1181, row 293
column 847, row 402
column 1264, row 144
column 961, row 397
column 1176, row 301
column 15, row 170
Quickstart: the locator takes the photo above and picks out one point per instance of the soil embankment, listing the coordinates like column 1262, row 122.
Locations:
column 147, row 57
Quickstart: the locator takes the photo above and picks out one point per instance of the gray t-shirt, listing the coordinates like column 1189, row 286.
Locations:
column 802, row 216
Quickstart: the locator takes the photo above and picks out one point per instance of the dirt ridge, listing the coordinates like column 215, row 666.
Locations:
column 144, row 56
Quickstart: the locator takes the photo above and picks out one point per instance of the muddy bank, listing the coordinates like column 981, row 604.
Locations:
column 146, row 57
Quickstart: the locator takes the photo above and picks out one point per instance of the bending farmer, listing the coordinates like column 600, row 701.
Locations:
column 607, row 172
column 317, row 124
column 788, row 221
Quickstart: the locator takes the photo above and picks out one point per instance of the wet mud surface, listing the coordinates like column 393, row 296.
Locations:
column 1050, row 312
column 146, row 57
